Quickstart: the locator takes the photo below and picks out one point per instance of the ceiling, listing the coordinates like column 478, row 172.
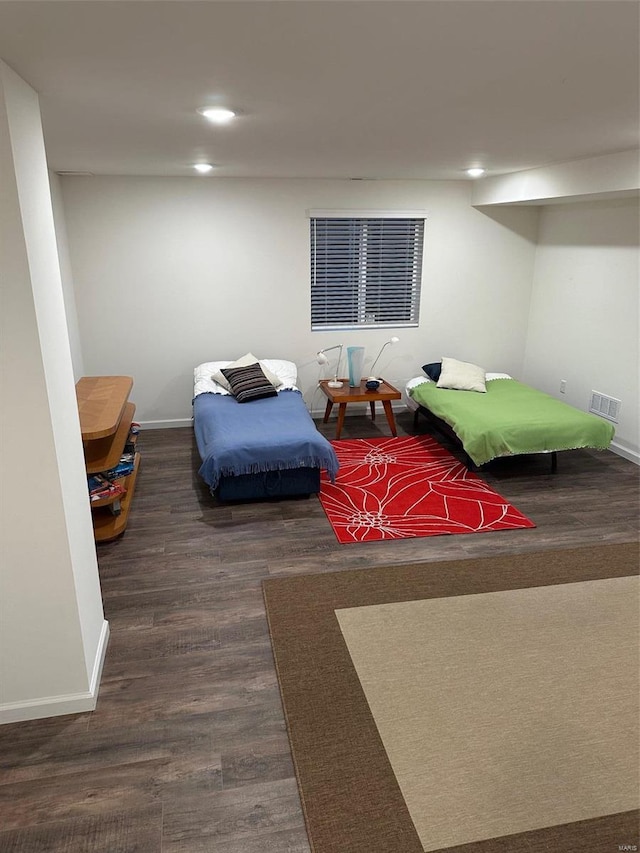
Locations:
column 383, row 89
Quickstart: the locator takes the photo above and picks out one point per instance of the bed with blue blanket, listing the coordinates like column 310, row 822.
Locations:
column 264, row 448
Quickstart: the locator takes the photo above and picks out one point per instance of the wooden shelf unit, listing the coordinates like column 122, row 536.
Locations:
column 106, row 525
column 105, row 421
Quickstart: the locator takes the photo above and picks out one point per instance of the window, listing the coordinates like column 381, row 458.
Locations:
column 365, row 270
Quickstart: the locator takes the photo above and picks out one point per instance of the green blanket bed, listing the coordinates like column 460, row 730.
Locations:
column 512, row 418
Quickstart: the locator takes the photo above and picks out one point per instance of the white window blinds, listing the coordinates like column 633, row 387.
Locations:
column 365, row 271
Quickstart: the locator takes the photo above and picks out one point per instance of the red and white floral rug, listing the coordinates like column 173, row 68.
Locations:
column 394, row 488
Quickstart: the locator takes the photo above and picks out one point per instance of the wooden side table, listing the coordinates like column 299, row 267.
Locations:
column 345, row 395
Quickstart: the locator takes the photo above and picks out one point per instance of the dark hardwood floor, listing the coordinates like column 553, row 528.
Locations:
column 187, row 750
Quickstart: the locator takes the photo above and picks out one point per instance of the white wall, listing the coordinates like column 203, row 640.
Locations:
column 583, row 325
column 52, row 630
column 171, row 272
column 66, row 277
column 588, row 179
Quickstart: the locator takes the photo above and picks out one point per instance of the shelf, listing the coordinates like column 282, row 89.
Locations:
column 110, row 499
column 104, row 453
column 106, row 525
column 105, row 422
column 101, row 401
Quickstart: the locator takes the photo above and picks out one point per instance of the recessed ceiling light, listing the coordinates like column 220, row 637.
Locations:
column 218, row 115
column 475, row 172
column 203, row 168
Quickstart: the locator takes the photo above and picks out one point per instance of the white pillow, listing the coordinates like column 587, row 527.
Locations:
column 462, row 376
column 249, row 358
column 286, row 371
column 203, row 382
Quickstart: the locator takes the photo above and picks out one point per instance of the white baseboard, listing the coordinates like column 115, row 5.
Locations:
column 625, row 452
column 57, row 706
column 170, row 424
column 98, row 663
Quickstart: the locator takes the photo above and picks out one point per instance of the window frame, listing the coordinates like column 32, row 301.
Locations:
column 413, row 289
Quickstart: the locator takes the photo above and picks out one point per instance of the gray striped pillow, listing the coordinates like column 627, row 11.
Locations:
column 248, row 383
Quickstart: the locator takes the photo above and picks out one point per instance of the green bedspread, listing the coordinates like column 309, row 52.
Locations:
column 512, row 418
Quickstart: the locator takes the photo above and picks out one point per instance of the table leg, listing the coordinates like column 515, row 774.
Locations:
column 372, row 403
column 342, row 409
column 390, row 419
column 327, row 411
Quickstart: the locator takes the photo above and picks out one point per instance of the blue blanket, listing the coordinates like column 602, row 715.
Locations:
column 272, row 434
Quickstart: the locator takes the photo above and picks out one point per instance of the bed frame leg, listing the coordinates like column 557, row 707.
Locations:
column 554, row 461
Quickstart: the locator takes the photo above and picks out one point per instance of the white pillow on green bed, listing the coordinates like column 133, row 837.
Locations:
column 462, row 376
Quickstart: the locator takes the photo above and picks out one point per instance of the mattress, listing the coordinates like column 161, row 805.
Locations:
column 274, row 434
column 511, row 418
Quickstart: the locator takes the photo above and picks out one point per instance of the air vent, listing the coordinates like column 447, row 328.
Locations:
column 66, row 172
column 606, row 407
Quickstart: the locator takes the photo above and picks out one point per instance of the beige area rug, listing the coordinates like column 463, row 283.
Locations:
column 504, row 708
column 478, row 705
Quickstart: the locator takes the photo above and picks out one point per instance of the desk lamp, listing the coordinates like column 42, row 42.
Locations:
column 373, row 378
column 322, row 359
